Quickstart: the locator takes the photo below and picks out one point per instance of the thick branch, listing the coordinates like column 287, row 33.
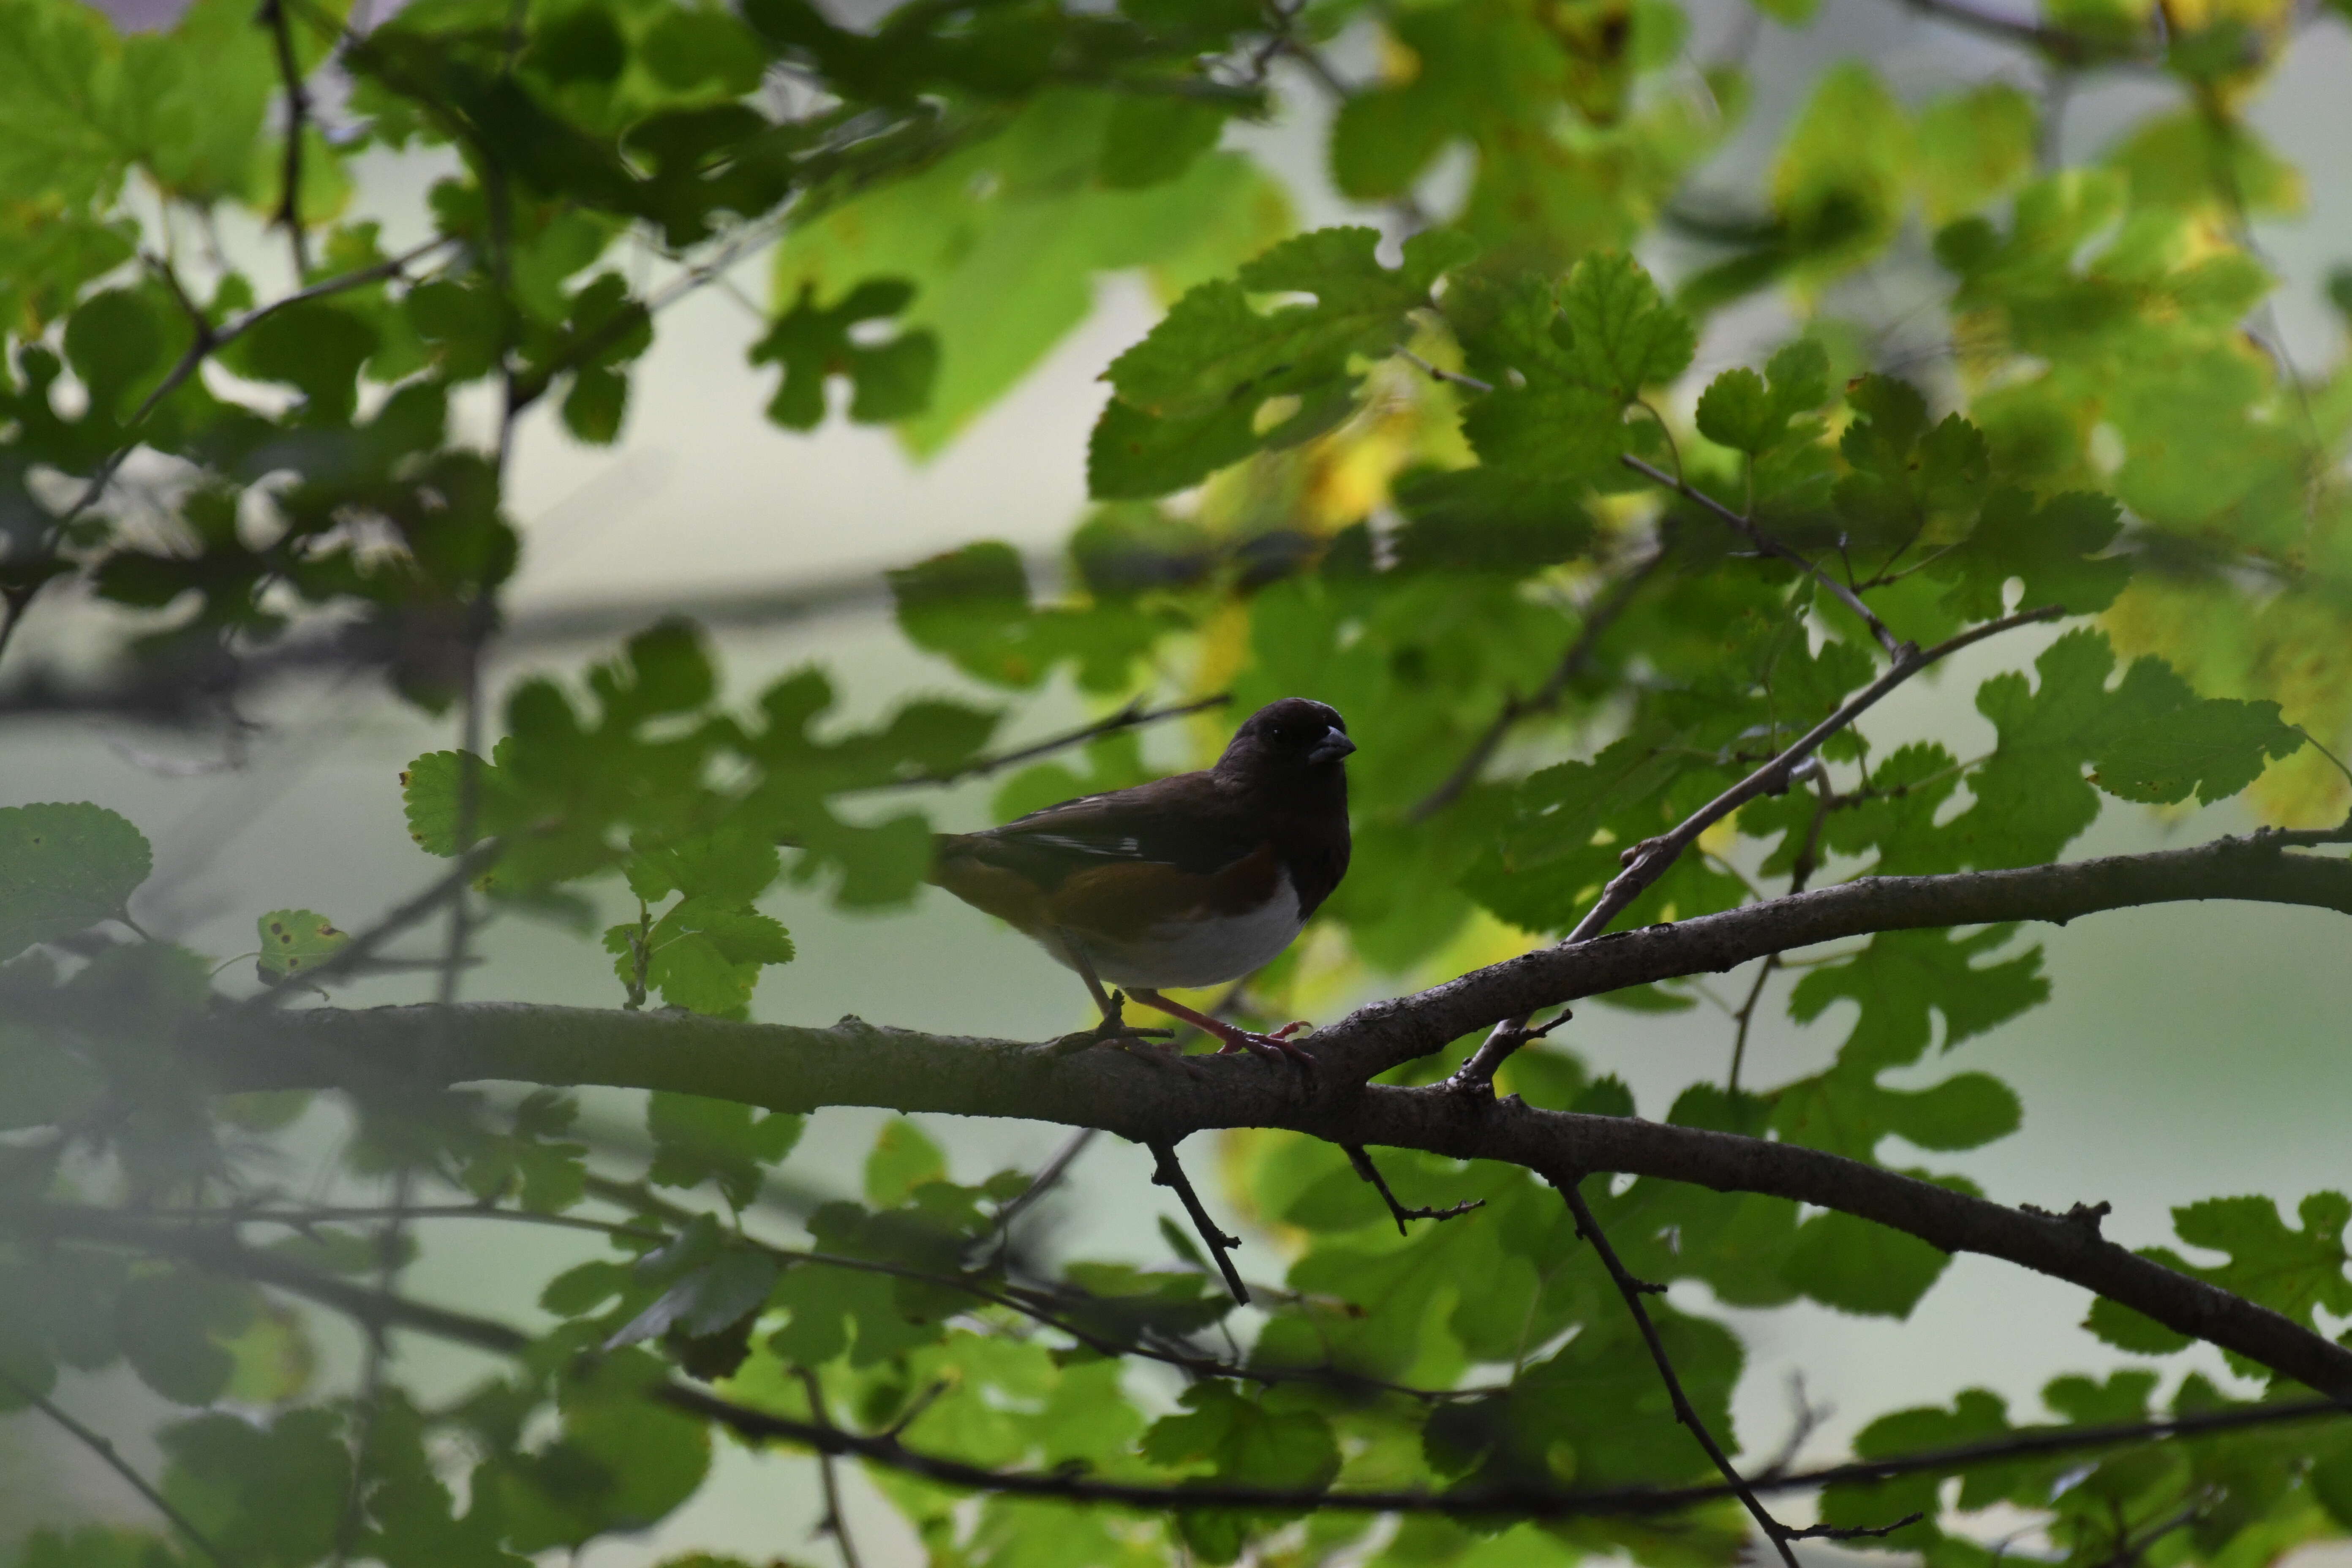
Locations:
column 854, row 1063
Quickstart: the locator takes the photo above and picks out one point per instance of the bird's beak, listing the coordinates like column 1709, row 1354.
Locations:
column 1334, row 745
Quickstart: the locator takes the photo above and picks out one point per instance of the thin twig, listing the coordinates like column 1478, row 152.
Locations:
column 1800, row 873
column 1133, row 715
column 298, row 114
column 103, row 1447
column 1167, row 1173
column 1439, row 372
column 1602, row 614
column 2069, row 48
column 1852, row 1532
column 1632, row 1291
column 1770, row 545
column 1647, row 861
column 1807, row 1420
column 1362, row 1162
column 210, row 339
column 1045, row 1181
column 834, row 1523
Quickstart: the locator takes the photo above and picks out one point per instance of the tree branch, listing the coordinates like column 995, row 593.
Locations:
column 1571, row 1188
column 834, row 1523
column 2067, row 48
column 784, row 1067
column 1045, row 1305
column 103, row 1447
column 298, row 115
column 1647, row 861
column 210, row 339
column 1362, row 1160
column 496, row 1338
column 1167, row 1173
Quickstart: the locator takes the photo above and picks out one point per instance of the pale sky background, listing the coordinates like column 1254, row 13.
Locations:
column 2188, row 1051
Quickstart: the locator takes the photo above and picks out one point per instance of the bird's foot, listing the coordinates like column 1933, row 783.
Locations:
column 1275, row 1046
column 1113, row 1030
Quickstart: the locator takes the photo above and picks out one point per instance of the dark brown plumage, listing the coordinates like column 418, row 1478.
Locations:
column 1186, row 881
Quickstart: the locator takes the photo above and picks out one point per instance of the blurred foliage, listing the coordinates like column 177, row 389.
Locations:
column 1392, row 465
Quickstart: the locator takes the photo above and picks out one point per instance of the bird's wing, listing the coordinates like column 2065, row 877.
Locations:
column 1185, row 822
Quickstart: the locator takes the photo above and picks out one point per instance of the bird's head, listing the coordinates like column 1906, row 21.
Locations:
column 1295, row 740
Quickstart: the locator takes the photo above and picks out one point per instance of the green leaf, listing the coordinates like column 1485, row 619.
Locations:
column 1911, row 481
column 1572, row 374
column 2289, row 1270
column 194, row 101
column 2049, row 546
column 174, row 1326
column 1003, row 240
column 2031, row 796
column 62, row 102
column 1189, row 396
column 1152, row 138
column 1844, row 169
column 1750, row 413
column 430, row 788
column 1242, row 1440
column 706, row 1299
column 294, row 940
column 902, row 1159
column 595, row 407
column 1903, row 974
column 1974, row 147
column 620, row 1462
column 1854, row 1266
column 1623, row 335
column 2215, row 747
column 973, row 605
column 63, row 868
column 1975, row 1417
column 1484, row 521
column 268, row 1496
column 892, row 379
column 697, row 1140
column 2121, row 1327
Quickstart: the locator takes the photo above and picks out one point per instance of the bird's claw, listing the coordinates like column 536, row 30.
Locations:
column 1275, row 1046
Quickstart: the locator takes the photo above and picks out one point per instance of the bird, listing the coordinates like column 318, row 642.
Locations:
column 1186, row 881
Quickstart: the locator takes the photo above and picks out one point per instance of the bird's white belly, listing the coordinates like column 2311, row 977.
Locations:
column 1207, row 951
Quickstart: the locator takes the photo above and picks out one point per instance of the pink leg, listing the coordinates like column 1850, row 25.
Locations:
column 1275, row 1045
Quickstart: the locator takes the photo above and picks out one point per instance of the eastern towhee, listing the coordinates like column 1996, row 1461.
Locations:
column 1186, row 881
